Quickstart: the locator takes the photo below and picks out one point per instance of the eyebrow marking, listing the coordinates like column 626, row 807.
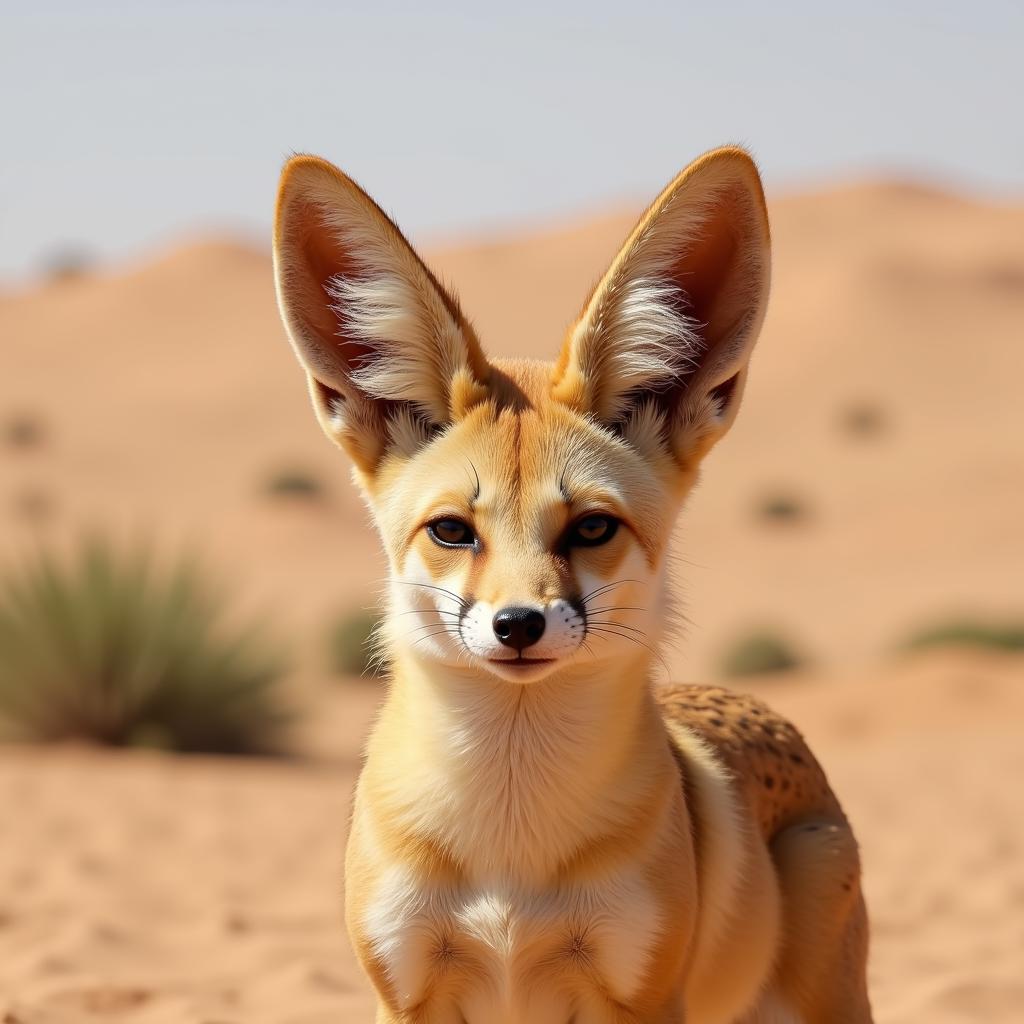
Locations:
column 563, row 487
column 476, row 492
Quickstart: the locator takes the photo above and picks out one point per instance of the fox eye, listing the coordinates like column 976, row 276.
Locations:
column 451, row 533
column 590, row 531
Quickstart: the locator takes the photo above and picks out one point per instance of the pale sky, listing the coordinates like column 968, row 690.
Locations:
column 125, row 126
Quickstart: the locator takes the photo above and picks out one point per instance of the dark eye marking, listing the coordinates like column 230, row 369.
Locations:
column 590, row 531
column 451, row 533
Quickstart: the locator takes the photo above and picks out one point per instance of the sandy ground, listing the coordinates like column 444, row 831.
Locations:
column 149, row 889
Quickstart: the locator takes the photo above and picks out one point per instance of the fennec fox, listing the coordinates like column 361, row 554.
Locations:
column 539, row 835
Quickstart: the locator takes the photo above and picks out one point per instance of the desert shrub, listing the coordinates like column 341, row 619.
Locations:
column 294, row 483
column 760, row 652
column 863, row 419
column 68, row 263
column 113, row 649
column 780, row 507
column 24, row 431
column 994, row 636
column 351, row 644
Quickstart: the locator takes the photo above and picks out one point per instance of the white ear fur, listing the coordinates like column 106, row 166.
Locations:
column 672, row 324
column 646, row 343
column 385, row 346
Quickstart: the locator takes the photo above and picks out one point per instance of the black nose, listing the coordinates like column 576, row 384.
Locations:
column 519, row 627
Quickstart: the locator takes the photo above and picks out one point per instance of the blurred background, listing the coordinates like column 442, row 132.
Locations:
column 184, row 564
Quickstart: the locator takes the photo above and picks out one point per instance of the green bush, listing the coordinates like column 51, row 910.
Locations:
column 352, row 644
column 294, row 483
column 779, row 507
column 1004, row 636
column 112, row 649
column 759, row 653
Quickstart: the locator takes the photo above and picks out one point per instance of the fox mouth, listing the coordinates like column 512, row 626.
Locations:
column 521, row 661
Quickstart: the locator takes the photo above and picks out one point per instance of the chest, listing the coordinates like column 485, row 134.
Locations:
column 496, row 953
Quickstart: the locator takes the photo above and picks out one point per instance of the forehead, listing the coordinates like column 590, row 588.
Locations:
column 511, row 456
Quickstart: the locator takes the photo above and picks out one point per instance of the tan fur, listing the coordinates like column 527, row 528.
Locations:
column 551, row 841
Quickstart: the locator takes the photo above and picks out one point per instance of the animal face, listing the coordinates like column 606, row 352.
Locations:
column 525, row 538
column 526, row 507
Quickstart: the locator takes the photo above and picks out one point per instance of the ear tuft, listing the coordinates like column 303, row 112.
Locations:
column 385, row 314
column 640, row 341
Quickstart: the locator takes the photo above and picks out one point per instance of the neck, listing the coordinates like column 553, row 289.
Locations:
column 515, row 780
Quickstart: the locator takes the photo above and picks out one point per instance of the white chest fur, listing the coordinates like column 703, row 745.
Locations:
column 491, row 954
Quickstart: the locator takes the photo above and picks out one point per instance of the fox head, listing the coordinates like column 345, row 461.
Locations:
column 526, row 507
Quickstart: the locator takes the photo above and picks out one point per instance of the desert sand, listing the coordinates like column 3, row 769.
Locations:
column 883, row 411
column 161, row 890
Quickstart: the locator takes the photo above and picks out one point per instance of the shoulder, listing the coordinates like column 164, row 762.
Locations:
column 768, row 759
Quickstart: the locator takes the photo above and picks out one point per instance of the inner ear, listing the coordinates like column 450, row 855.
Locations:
column 708, row 293
column 322, row 260
column 704, row 273
column 718, row 294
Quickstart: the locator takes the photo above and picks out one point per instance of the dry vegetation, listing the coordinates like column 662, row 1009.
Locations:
column 116, row 649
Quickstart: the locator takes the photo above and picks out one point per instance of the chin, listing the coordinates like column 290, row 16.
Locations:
column 521, row 670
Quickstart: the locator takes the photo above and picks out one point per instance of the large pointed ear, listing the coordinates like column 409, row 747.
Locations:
column 389, row 355
column 660, row 351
